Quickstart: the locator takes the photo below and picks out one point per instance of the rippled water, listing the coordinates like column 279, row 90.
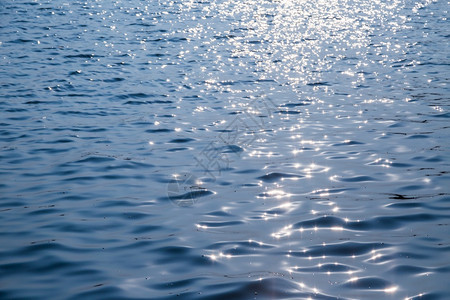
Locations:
column 224, row 149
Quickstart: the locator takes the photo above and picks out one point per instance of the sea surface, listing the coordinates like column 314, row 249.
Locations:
column 224, row 149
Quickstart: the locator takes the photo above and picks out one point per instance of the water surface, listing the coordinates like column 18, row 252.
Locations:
column 224, row 149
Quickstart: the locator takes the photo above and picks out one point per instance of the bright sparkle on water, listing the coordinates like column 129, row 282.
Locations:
column 329, row 119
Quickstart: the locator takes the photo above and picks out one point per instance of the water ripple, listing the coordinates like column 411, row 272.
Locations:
column 224, row 149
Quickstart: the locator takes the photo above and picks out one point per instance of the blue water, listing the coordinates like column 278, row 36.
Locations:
column 224, row 149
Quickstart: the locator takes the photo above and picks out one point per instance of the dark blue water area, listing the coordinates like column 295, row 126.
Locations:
column 224, row 149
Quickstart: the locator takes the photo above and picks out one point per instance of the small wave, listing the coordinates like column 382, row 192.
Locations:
column 340, row 249
column 276, row 176
column 369, row 283
column 181, row 140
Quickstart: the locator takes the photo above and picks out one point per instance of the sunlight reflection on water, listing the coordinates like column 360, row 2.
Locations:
column 303, row 144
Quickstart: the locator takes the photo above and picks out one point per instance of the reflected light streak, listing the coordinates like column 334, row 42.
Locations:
column 414, row 297
column 391, row 290
column 375, row 255
column 279, row 194
column 201, row 226
column 337, row 228
column 216, row 257
column 286, row 231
